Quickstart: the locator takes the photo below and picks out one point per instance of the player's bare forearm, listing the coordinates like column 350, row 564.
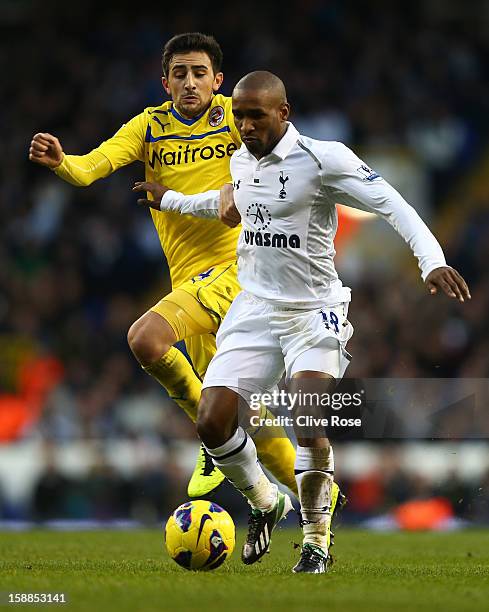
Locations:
column 449, row 281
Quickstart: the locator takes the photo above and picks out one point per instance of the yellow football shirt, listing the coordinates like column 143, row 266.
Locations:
column 187, row 155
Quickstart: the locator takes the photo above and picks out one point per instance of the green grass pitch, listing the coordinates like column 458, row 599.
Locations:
column 114, row 570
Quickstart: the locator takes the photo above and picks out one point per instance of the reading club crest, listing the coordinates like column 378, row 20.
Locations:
column 216, row 116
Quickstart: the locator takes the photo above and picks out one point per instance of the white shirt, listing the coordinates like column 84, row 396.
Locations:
column 287, row 201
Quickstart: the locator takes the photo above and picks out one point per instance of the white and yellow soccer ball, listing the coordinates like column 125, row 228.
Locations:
column 200, row 535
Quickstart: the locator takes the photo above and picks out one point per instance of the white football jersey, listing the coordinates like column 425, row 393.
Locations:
column 287, row 201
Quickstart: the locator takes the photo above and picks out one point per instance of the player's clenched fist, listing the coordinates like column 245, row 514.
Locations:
column 449, row 281
column 46, row 150
column 228, row 213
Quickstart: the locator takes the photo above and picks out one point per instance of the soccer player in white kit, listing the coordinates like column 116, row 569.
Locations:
column 292, row 313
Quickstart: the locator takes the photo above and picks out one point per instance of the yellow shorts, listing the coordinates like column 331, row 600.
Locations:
column 195, row 310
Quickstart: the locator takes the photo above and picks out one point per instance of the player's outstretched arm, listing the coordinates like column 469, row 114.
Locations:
column 358, row 186
column 79, row 170
column 124, row 147
column 449, row 281
column 46, row 150
column 166, row 200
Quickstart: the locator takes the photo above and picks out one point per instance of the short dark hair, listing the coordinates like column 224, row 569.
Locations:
column 192, row 41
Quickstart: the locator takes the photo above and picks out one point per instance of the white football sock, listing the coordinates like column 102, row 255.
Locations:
column 308, row 458
column 238, row 461
column 314, row 475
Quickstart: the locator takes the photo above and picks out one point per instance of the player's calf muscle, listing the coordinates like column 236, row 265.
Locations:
column 217, row 416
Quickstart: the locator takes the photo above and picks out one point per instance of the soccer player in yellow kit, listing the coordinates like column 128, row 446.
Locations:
column 185, row 144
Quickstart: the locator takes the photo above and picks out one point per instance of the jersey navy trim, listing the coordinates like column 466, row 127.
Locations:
column 150, row 138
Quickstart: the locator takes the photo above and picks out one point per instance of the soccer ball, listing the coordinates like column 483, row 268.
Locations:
column 200, row 535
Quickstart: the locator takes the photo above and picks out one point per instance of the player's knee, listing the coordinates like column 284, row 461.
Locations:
column 147, row 343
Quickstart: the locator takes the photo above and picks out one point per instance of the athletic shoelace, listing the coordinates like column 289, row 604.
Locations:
column 311, row 558
column 209, row 466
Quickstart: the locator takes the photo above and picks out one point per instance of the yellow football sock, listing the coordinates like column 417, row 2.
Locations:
column 278, row 456
column 275, row 451
column 174, row 372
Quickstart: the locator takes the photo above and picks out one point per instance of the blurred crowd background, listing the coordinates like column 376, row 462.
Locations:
column 407, row 86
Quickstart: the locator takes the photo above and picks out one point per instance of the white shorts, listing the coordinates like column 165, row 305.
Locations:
column 258, row 341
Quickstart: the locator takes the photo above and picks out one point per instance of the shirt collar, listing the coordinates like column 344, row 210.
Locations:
column 283, row 146
column 177, row 115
